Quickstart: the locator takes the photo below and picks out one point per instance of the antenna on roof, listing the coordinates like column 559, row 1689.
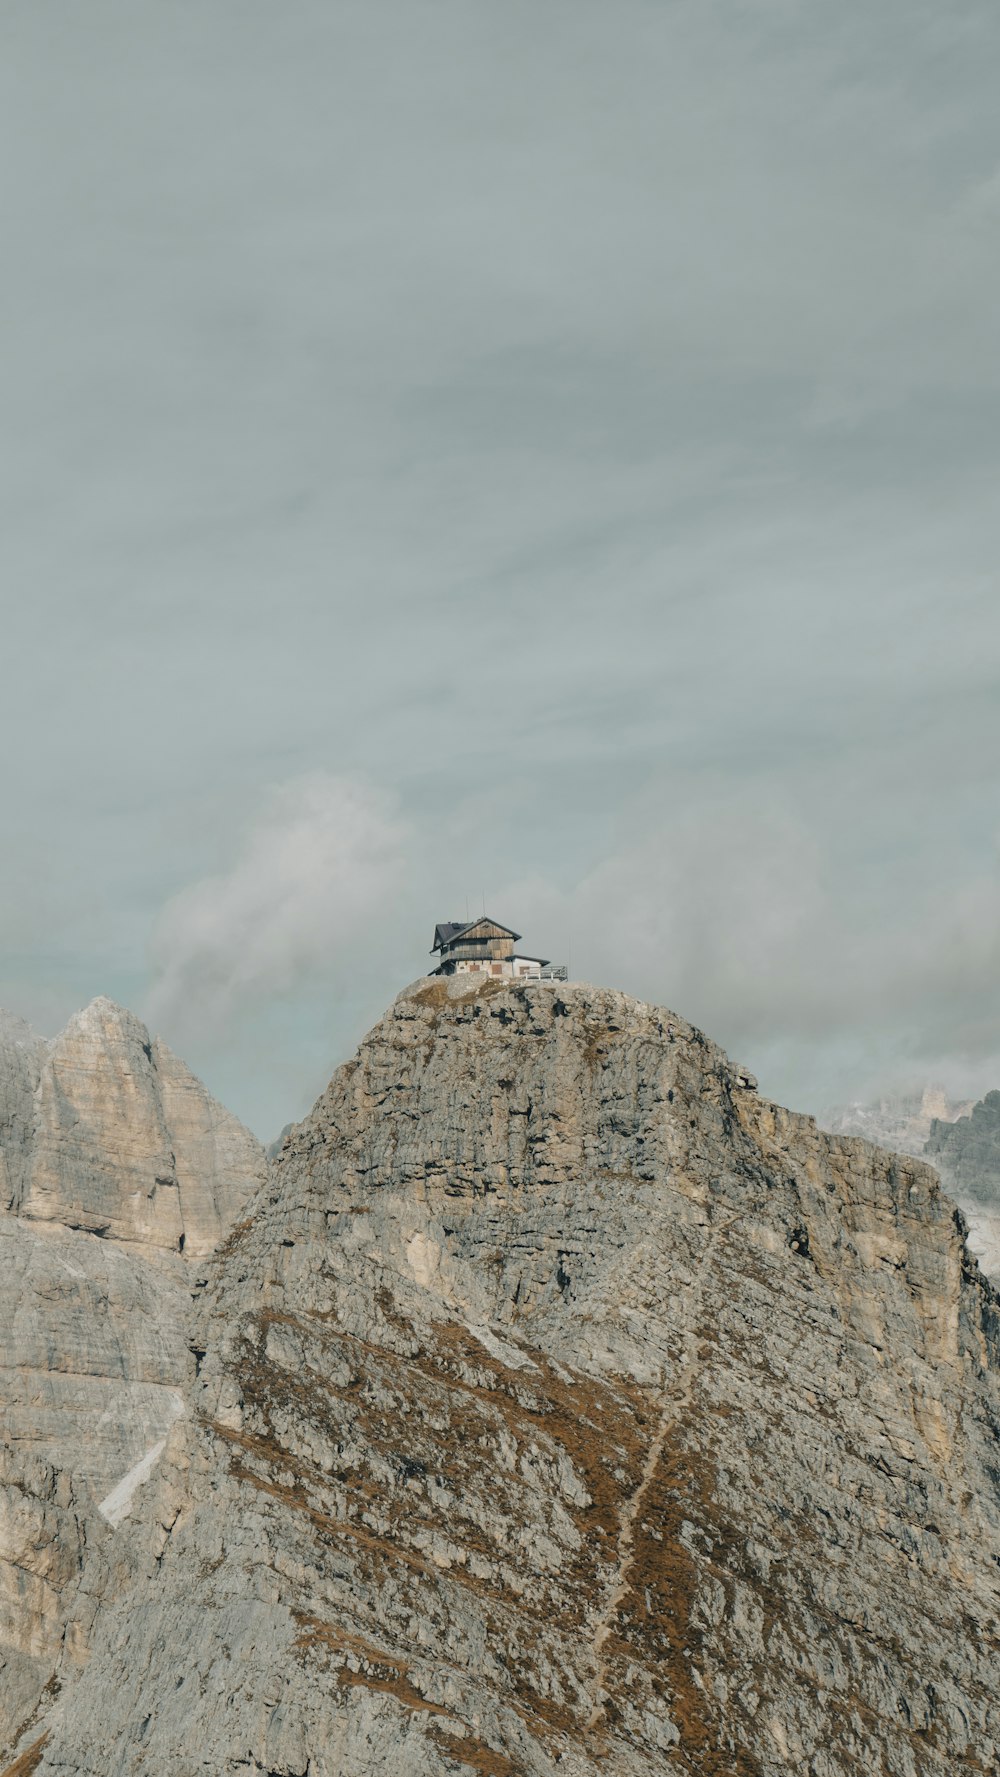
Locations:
column 466, row 909
column 484, row 900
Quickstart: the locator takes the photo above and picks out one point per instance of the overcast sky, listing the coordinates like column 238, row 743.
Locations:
column 544, row 450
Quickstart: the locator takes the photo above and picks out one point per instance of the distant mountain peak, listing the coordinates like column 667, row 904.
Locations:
column 898, row 1120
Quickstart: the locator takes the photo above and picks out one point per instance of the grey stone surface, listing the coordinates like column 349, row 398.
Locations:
column 21, row 1058
column 92, row 1350
column 50, row 1538
column 565, row 1408
column 969, row 1150
column 959, row 1138
column 110, row 1151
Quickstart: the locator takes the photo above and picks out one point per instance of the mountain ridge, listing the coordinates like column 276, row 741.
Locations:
column 564, row 1406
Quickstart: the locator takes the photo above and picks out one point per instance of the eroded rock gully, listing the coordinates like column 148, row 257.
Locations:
column 565, row 1408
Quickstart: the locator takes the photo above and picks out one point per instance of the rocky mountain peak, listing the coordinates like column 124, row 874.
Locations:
column 563, row 1406
column 114, row 1136
column 16, row 1030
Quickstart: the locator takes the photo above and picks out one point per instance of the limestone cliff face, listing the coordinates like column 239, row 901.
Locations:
column 111, row 1156
column 962, row 1142
column 21, row 1057
column 127, row 1143
column 92, row 1351
column 960, row 1139
column 564, row 1408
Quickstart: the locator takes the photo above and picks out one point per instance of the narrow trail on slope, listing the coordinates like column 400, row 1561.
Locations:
column 676, row 1407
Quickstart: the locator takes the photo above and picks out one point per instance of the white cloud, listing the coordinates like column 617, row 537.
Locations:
column 752, row 925
column 319, row 866
column 700, row 911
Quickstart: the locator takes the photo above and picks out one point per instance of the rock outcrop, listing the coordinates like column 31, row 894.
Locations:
column 562, row 1407
column 967, row 1155
column 119, row 1174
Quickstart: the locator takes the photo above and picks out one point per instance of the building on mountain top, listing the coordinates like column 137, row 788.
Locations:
column 484, row 947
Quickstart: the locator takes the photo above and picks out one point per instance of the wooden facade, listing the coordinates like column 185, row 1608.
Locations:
column 484, row 947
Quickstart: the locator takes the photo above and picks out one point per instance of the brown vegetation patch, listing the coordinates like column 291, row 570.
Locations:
column 475, row 1754
column 657, row 1623
column 379, row 1671
column 604, row 1431
column 28, row 1761
column 437, row 996
column 596, row 1040
column 467, row 1398
column 233, row 1238
column 600, row 1427
column 382, row 1668
column 656, row 1619
column 343, row 1527
column 386, row 1551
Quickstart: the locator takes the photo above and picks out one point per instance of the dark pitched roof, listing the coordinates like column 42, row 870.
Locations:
column 445, row 932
